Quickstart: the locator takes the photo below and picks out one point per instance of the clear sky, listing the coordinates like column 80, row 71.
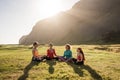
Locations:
column 17, row 17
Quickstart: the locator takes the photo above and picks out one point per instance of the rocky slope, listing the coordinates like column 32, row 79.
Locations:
column 89, row 21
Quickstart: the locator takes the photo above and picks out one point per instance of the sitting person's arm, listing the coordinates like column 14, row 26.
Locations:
column 63, row 55
column 54, row 52
column 70, row 54
column 47, row 53
column 81, row 57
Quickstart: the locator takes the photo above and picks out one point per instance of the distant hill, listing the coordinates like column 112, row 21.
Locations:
column 89, row 21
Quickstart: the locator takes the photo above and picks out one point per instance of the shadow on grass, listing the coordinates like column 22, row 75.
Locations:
column 27, row 69
column 92, row 72
column 79, row 71
column 51, row 68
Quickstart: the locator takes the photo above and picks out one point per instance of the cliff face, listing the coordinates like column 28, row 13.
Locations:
column 89, row 21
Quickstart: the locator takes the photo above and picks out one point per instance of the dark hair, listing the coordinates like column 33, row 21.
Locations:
column 50, row 44
column 68, row 45
column 81, row 51
column 35, row 43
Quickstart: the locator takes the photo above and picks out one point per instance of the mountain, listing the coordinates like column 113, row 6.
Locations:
column 89, row 21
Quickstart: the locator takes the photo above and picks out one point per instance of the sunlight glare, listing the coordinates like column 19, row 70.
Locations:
column 50, row 8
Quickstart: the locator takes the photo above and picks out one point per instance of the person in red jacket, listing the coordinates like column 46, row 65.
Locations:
column 80, row 57
column 51, row 54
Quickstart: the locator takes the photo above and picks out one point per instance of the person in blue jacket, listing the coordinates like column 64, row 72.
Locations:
column 67, row 57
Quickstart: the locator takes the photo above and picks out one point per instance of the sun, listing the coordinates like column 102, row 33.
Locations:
column 49, row 7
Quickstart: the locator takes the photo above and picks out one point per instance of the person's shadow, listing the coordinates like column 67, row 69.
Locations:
column 27, row 69
column 78, row 70
column 92, row 72
column 51, row 68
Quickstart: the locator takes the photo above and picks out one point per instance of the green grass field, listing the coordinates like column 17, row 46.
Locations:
column 102, row 63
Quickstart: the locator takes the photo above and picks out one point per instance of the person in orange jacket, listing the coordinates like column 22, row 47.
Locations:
column 36, row 56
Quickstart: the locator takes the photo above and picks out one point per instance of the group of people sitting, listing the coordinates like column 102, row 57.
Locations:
column 51, row 54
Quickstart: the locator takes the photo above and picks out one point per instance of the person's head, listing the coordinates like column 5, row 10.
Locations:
column 50, row 45
column 67, row 46
column 79, row 50
column 35, row 44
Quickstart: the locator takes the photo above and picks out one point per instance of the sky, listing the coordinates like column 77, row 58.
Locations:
column 17, row 17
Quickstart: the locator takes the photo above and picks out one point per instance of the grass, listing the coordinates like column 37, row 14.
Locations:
column 102, row 63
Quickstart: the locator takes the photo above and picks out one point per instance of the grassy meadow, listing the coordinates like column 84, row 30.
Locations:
column 102, row 63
